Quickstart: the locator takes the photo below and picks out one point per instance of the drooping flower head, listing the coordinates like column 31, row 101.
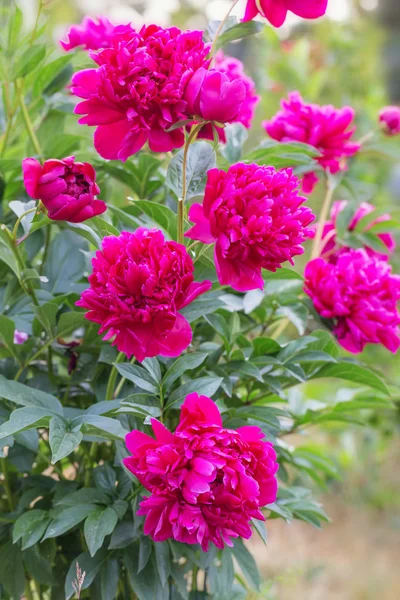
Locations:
column 67, row 188
column 276, row 10
column 234, row 70
column 92, row 34
column 360, row 294
column 137, row 92
column 139, row 283
column 331, row 247
column 389, row 117
column 206, row 482
column 254, row 214
column 325, row 127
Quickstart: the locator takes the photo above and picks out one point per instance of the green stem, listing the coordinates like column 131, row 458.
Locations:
column 18, row 221
column 6, row 484
column 25, row 114
column 113, row 377
column 221, row 25
column 39, row 10
column 180, row 221
column 46, row 249
column 181, row 201
column 330, row 188
column 28, row 290
column 28, row 591
column 194, row 578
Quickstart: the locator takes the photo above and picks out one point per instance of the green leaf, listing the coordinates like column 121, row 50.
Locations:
column 109, row 579
column 48, row 73
column 38, row 566
column 184, row 363
column 145, row 549
column 26, row 396
column 46, row 315
column 14, row 28
column 6, row 254
column 105, row 478
column 200, row 159
column 85, row 496
column 12, row 574
column 65, row 263
column 238, row 32
column 355, row 373
column 152, row 366
column 145, row 584
column 7, row 329
column 104, row 427
column 259, row 526
column 19, row 208
column 98, row 525
column 263, row 345
column 204, row 305
column 161, row 215
column 68, row 519
column 163, row 561
column 297, row 314
column 89, row 565
column 27, row 522
column 62, row 145
column 29, row 60
column 62, row 442
column 236, row 134
column 206, row 386
column 138, row 376
column 247, row 563
column 22, row 419
column 69, row 322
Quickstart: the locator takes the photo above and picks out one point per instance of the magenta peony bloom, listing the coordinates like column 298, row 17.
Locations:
column 234, row 70
column 360, row 294
column 276, row 10
column 137, row 92
column 325, row 127
column 138, row 285
column 390, row 119
column 214, row 96
column 92, row 34
column 66, row 188
column 254, row 216
column 20, row 337
column 330, row 245
column 206, row 482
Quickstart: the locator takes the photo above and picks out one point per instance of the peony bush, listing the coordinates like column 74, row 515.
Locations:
column 164, row 289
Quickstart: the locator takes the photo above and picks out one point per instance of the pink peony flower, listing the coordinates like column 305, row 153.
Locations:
column 138, row 285
column 137, row 92
column 20, row 337
column 390, row 119
column 92, row 34
column 206, row 482
column 331, row 247
column 325, row 127
column 276, row 10
column 66, row 188
column 254, row 215
column 234, row 70
column 360, row 294
column 212, row 95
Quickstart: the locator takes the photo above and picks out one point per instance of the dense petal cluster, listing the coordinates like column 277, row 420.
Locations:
column 137, row 92
column 254, row 214
column 325, row 127
column 390, row 119
column 276, row 10
column 92, row 34
column 331, row 247
column 138, row 285
column 67, row 188
column 360, row 294
column 206, row 482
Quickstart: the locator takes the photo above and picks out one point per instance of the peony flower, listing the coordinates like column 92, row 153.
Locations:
column 20, row 337
column 137, row 92
column 206, row 482
column 66, row 188
column 234, row 70
column 213, row 96
column 330, row 245
column 360, row 294
column 276, row 10
column 255, row 216
column 92, row 34
column 138, row 285
column 390, row 119
column 325, row 127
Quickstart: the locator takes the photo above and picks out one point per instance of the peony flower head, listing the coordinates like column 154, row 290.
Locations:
column 234, row 70
column 360, row 294
column 137, row 91
column 92, row 34
column 326, row 128
column 213, row 96
column 331, row 247
column 206, row 482
column 276, row 10
column 390, row 119
column 255, row 217
column 67, row 188
column 139, row 283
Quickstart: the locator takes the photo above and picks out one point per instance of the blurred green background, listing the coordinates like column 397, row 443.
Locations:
column 350, row 57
